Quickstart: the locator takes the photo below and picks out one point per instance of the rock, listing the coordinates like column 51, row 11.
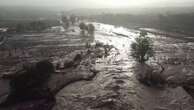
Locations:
column 73, row 61
column 99, row 52
column 146, row 75
column 172, row 81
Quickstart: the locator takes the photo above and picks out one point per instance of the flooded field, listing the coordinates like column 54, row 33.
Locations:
column 115, row 85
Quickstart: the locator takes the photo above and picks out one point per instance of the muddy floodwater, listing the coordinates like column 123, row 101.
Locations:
column 114, row 87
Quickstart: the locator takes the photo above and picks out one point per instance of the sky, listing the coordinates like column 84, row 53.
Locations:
column 97, row 3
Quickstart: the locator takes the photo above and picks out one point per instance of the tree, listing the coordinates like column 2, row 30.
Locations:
column 142, row 48
column 20, row 28
column 91, row 29
column 65, row 19
column 73, row 19
column 37, row 26
column 66, row 23
column 30, row 82
column 83, row 28
column 34, row 26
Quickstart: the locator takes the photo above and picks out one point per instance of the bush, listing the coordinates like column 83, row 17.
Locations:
column 45, row 67
column 88, row 45
column 34, row 26
column 142, row 48
column 83, row 28
column 73, row 19
column 91, row 29
column 29, row 83
column 99, row 44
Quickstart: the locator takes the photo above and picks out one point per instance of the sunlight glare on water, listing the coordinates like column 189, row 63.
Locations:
column 121, row 38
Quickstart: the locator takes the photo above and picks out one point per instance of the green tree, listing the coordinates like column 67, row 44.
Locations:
column 142, row 48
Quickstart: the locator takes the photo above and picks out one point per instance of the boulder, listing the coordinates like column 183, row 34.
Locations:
column 73, row 60
column 149, row 76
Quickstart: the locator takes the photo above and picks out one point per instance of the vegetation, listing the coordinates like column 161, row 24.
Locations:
column 28, row 26
column 99, row 44
column 107, row 48
column 69, row 20
column 30, row 82
column 87, row 45
column 83, row 28
column 89, row 29
column 35, row 26
column 66, row 22
column 73, row 19
column 142, row 48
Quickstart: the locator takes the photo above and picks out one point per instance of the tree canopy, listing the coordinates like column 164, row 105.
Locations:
column 142, row 48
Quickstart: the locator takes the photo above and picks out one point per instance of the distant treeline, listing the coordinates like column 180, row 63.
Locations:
column 26, row 13
column 27, row 19
column 27, row 25
column 182, row 23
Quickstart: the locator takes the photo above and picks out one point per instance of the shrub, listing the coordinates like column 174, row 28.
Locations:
column 99, row 44
column 45, row 67
column 83, row 28
column 65, row 21
column 31, row 81
column 91, row 29
column 142, row 48
column 88, row 45
column 34, row 26
column 73, row 19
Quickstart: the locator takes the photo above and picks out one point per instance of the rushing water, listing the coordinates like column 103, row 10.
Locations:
column 165, row 47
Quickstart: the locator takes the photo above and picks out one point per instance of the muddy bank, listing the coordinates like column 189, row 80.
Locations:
column 113, row 88
column 76, row 66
